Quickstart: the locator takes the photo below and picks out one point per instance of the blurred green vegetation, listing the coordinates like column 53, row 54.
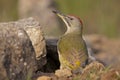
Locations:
column 8, row 10
column 98, row 16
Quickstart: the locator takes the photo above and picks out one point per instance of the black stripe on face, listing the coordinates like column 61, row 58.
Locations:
column 67, row 19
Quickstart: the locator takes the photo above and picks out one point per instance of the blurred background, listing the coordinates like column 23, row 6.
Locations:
column 98, row 16
column 101, row 20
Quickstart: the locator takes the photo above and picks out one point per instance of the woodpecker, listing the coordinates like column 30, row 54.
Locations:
column 72, row 50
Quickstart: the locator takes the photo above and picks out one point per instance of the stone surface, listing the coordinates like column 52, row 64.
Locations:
column 42, row 11
column 44, row 78
column 92, row 71
column 33, row 29
column 63, row 73
column 17, row 55
column 94, row 65
column 24, row 40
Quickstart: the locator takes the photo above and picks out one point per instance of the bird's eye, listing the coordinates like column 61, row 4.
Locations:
column 70, row 18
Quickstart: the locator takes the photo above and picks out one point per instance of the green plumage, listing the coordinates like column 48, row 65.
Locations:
column 72, row 50
column 71, row 47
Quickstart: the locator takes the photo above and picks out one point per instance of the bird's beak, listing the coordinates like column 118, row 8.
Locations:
column 63, row 17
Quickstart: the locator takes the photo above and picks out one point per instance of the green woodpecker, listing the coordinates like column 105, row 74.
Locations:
column 71, row 47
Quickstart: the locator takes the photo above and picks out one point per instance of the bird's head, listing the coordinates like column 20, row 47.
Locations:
column 73, row 23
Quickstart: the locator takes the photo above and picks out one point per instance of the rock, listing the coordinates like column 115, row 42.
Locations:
column 42, row 11
column 23, row 37
column 33, row 29
column 17, row 55
column 94, row 65
column 63, row 73
column 44, row 78
column 92, row 71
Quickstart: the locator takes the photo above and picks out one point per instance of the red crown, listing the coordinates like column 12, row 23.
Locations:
column 78, row 18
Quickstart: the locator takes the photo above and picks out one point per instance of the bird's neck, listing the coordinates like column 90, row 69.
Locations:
column 74, row 31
